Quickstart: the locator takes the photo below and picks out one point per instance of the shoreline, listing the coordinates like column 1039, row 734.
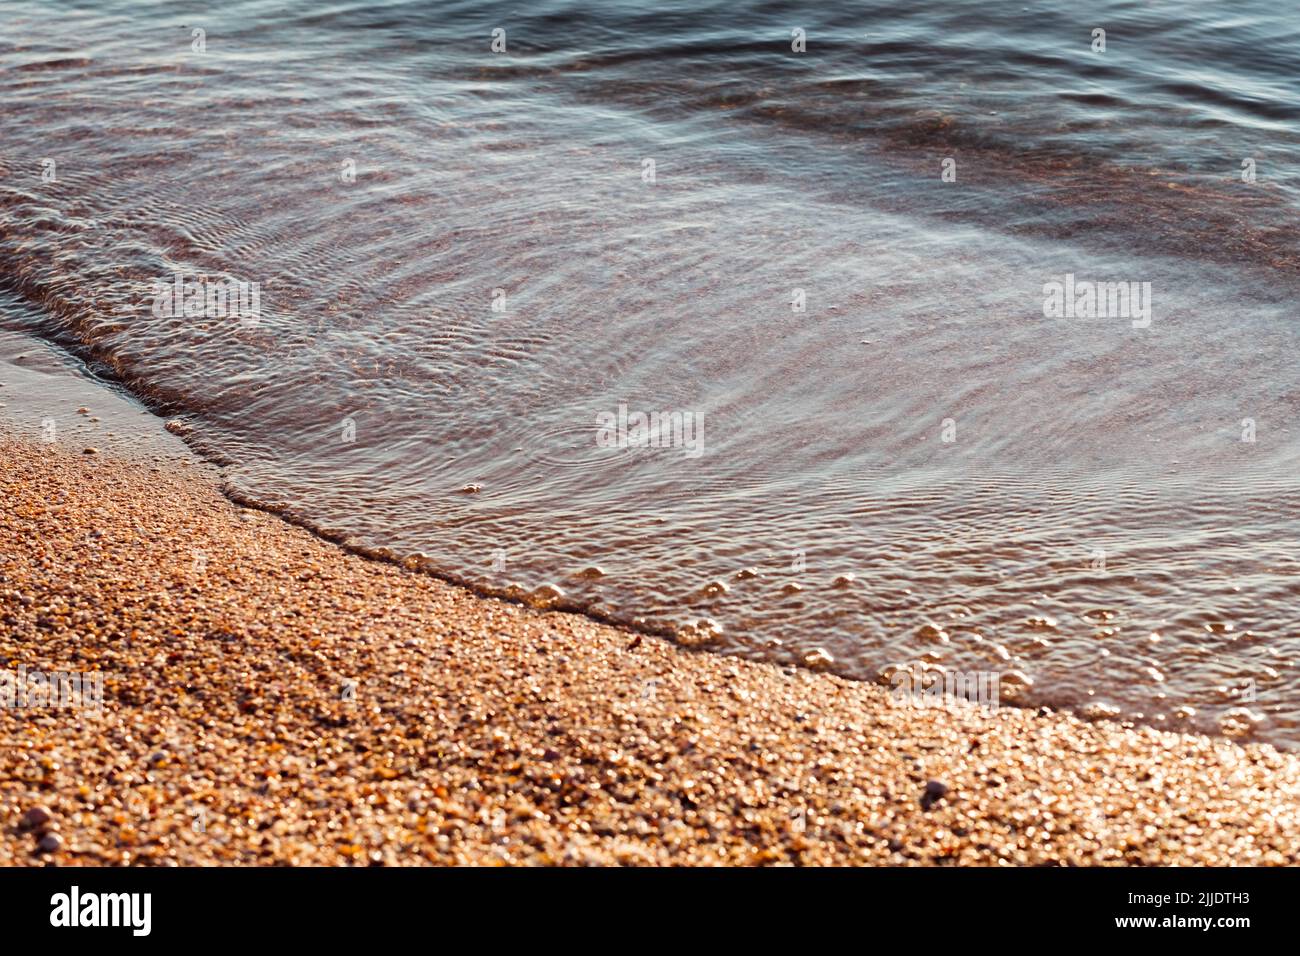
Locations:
column 270, row 697
column 280, row 700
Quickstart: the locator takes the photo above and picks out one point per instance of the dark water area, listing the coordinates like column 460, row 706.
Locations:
column 817, row 243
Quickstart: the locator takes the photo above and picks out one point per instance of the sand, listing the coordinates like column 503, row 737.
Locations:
column 272, row 699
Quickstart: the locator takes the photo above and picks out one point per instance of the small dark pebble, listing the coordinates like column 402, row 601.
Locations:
column 49, row 843
column 934, row 792
column 37, row 817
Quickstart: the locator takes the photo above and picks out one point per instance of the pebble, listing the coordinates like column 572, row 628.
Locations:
column 935, row 790
column 49, row 843
column 818, row 657
column 37, row 817
column 545, row 594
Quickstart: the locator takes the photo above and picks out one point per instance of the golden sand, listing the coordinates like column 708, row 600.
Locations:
column 270, row 698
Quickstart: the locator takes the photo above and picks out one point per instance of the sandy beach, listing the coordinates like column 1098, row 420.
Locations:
column 269, row 698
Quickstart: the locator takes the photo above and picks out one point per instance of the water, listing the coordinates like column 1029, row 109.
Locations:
column 918, row 466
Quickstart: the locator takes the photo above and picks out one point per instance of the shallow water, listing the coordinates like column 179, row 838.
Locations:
column 918, row 466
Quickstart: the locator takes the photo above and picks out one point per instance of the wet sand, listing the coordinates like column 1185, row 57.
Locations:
column 270, row 698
